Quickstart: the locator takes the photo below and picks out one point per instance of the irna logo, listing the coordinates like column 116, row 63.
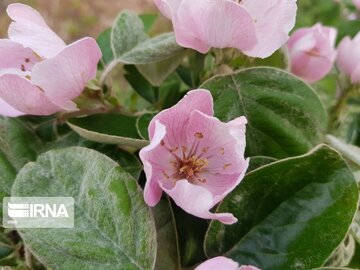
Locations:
column 38, row 212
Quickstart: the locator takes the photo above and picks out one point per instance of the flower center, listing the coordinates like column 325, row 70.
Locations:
column 190, row 164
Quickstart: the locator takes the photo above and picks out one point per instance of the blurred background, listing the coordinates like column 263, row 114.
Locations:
column 72, row 19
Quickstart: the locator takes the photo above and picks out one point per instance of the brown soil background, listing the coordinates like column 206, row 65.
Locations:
column 72, row 19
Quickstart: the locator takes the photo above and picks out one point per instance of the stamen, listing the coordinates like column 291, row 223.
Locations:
column 222, row 150
column 166, row 175
column 27, row 60
column 23, row 68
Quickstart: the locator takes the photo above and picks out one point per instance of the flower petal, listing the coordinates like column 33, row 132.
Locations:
column 274, row 20
column 14, row 55
column 196, row 200
column 7, row 110
column 30, row 29
column 248, row 267
column 20, row 94
column 152, row 191
column 177, row 116
column 64, row 77
column 219, row 24
column 217, row 144
column 218, row 263
column 168, row 7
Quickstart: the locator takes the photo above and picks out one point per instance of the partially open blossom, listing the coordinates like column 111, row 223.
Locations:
column 223, row 263
column 312, row 52
column 256, row 27
column 348, row 59
column 194, row 157
column 39, row 73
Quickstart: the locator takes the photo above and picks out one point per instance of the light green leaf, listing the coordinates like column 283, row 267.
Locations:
column 285, row 116
column 292, row 214
column 114, row 229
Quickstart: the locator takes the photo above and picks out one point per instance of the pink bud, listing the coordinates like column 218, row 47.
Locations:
column 312, row 52
column 348, row 59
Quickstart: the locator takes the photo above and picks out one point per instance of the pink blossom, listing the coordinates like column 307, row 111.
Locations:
column 312, row 52
column 348, row 59
column 223, row 263
column 256, row 27
column 39, row 73
column 357, row 3
column 195, row 158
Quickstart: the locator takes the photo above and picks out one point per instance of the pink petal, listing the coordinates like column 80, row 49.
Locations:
column 218, row 24
column 196, row 200
column 64, row 77
column 14, row 55
column 348, row 55
column 30, row 29
column 248, row 267
column 357, row 3
column 311, row 68
column 217, row 143
column 218, row 263
column 168, row 7
column 177, row 116
column 20, row 94
column 152, row 191
column 274, row 20
column 7, row 110
column 355, row 75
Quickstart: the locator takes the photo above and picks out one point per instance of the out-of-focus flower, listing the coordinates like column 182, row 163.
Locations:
column 348, row 59
column 39, row 73
column 223, row 263
column 195, row 158
column 357, row 3
column 256, row 27
column 312, row 52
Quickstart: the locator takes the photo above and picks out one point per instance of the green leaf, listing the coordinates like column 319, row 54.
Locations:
column 156, row 73
column 140, row 84
column 259, row 161
column 104, row 41
column 343, row 254
column 127, row 32
column 110, row 129
column 131, row 45
column 142, row 124
column 350, row 152
column 292, row 213
column 168, row 257
column 18, row 145
column 285, row 116
column 114, row 229
column 152, row 50
column 148, row 20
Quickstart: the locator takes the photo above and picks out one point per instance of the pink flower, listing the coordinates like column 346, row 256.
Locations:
column 39, row 74
column 312, row 52
column 195, row 158
column 348, row 59
column 357, row 3
column 223, row 263
column 256, row 27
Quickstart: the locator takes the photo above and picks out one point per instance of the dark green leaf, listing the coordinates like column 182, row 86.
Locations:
column 259, row 161
column 110, row 129
column 104, row 41
column 285, row 116
column 292, row 213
